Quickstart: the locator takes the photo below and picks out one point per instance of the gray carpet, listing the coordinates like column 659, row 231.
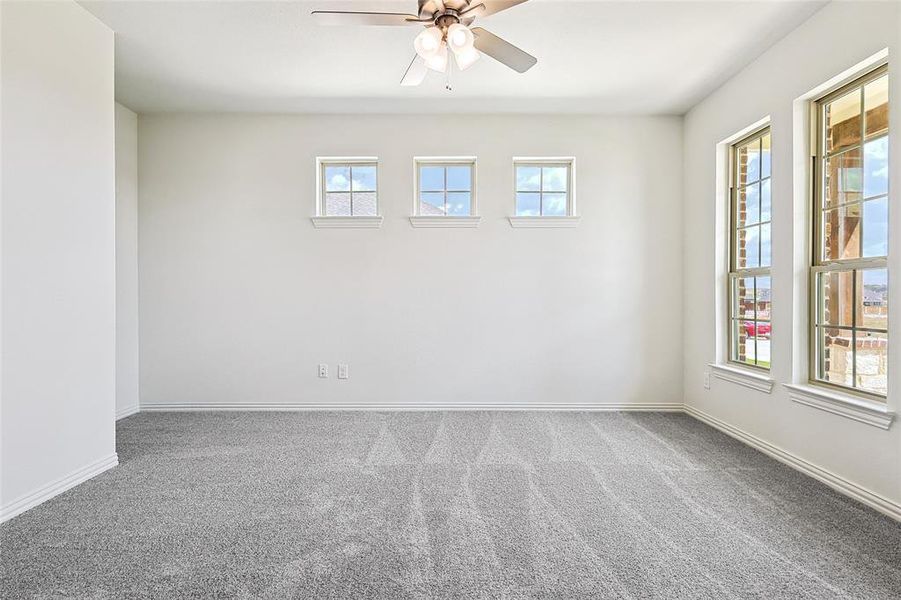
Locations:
column 445, row 505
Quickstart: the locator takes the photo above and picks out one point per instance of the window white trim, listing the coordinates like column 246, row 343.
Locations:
column 564, row 161
column 451, row 221
column 439, row 161
column 855, row 408
column 319, row 206
column 543, row 222
column 754, row 380
column 348, row 222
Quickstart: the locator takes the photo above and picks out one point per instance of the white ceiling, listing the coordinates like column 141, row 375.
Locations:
column 593, row 56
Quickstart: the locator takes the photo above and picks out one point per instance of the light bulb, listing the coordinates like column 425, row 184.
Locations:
column 438, row 60
column 459, row 37
column 466, row 58
column 428, row 42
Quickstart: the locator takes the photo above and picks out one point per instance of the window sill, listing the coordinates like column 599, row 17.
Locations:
column 755, row 381
column 540, row 222
column 845, row 405
column 426, row 221
column 347, row 222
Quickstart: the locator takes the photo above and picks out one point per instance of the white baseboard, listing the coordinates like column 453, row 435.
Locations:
column 262, row 406
column 57, row 487
column 121, row 413
column 836, row 482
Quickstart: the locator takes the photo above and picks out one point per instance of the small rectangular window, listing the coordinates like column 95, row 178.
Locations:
column 348, row 187
column 750, row 251
column 543, row 187
column 445, row 187
column 850, row 281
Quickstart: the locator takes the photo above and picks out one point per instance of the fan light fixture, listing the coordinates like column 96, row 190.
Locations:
column 432, row 46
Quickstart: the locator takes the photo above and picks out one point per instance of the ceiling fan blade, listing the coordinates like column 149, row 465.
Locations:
column 496, row 6
column 503, row 51
column 415, row 73
column 338, row 17
column 474, row 10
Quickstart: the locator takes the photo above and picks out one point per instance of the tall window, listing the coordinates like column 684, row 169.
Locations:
column 444, row 187
column 850, row 276
column 543, row 187
column 750, row 252
column 348, row 187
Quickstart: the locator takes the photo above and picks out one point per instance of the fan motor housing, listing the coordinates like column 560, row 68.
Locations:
column 428, row 9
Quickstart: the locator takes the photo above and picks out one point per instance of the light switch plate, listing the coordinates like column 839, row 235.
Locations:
column 706, row 380
column 323, row 371
column 342, row 371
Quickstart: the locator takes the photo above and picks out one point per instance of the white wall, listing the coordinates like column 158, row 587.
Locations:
column 832, row 41
column 58, row 251
column 126, row 261
column 241, row 297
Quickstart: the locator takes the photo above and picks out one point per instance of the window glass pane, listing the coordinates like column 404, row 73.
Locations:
column 553, row 205
column 749, row 162
column 749, row 205
column 459, row 178
column 431, row 179
column 431, row 203
column 337, row 179
column 743, row 343
column 528, row 204
column 459, row 204
column 762, row 330
column 766, row 246
column 364, row 204
column 765, row 201
column 337, row 204
column 836, row 290
column 554, row 179
column 844, row 174
column 765, row 156
column 764, row 301
column 875, row 167
column 744, row 297
column 841, row 227
column 876, row 103
column 747, row 247
column 872, row 298
column 875, row 227
column 528, row 179
column 363, row 179
column 837, row 358
column 871, row 357
column 843, row 122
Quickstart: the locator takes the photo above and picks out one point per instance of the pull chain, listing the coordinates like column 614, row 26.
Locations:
column 447, row 75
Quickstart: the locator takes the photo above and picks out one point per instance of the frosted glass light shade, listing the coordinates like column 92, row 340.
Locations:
column 466, row 58
column 459, row 38
column 438, row 60
column 428, row 42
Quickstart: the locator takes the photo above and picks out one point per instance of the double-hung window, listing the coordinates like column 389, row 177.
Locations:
column 849, row 337
column 750, row 254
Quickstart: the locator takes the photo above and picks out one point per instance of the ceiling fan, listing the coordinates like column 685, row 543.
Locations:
column 447, row 33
